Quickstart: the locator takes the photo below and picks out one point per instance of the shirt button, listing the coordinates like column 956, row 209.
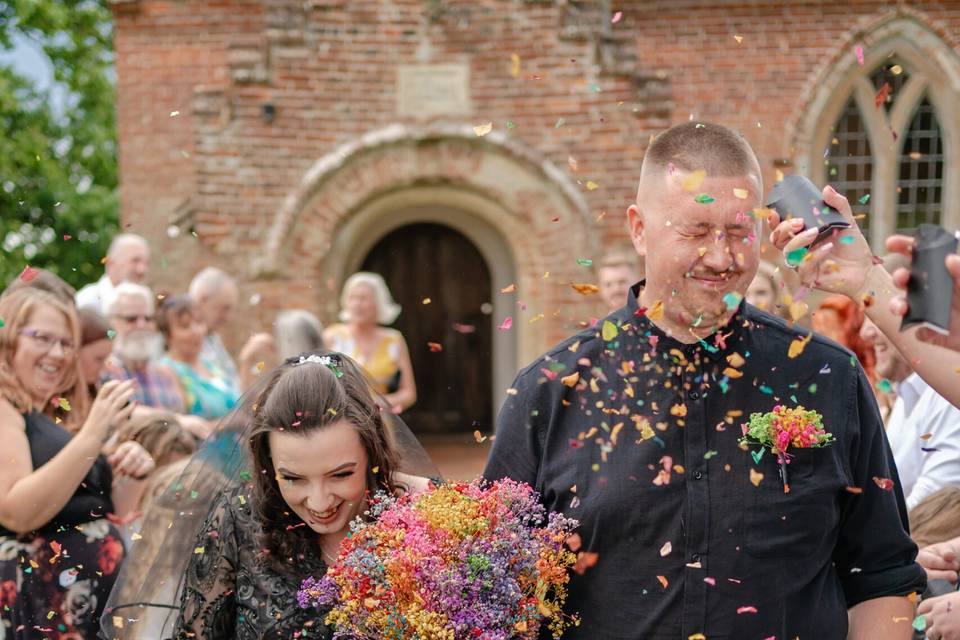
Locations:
column 694, row 395
column 698, row 475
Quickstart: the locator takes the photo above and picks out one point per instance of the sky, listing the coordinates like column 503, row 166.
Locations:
column 28, row 60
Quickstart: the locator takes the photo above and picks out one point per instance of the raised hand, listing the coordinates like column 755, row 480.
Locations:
column 943, row 616
column 131, row 459
column 839, row 265
column 110, row 408
column 898, row 305
column 940, row 561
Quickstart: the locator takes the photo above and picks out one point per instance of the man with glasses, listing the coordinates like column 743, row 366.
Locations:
column 137, row 346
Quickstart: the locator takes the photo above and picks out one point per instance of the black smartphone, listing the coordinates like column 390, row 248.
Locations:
column 797, row 197
column 930, row 289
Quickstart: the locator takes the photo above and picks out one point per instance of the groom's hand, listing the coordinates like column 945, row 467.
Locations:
column 839, row 265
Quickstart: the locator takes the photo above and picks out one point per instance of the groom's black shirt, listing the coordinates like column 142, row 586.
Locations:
column 691, row 534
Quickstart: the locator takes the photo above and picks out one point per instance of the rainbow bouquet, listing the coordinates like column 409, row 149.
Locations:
column 462, row 560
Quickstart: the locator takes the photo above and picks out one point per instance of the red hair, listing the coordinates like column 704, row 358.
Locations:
column 850, row 318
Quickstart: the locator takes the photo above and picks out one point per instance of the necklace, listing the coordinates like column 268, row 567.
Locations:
column 327, row 558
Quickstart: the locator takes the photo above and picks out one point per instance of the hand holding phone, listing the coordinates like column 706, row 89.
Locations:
column 930, row 288
column 797, row 197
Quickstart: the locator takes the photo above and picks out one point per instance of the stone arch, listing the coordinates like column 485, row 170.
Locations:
column 907, row 34
column 494, row 191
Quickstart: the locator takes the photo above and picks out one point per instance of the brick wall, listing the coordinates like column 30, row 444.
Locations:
column 587, row 96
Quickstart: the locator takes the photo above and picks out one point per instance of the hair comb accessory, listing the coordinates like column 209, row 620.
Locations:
column 331, row 362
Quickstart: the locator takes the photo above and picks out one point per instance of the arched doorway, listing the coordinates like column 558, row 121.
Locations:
column 454, row 382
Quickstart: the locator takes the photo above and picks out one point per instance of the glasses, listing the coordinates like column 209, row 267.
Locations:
column 47, row 341
column 133, row 319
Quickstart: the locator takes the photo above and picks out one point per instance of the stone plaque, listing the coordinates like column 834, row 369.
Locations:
column 433, row 89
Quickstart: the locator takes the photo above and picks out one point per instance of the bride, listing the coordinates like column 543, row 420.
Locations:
column 310, row 445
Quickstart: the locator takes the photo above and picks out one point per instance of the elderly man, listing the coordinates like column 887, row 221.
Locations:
column 128, row 260
column 215, row 293
column 137, row 345
column 634, row 428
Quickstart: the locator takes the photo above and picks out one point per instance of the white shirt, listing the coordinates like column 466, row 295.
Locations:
column 96, row 296
column 919, row 411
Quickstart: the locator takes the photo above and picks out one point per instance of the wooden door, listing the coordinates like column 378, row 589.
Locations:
column 454, row 385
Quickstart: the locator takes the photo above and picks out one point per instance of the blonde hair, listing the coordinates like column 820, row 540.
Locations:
column 161, row 434
column 387, row 309
column 936, row 518
column 16, row 310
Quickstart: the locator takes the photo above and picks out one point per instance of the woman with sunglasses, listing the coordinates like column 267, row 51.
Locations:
column 59, row 553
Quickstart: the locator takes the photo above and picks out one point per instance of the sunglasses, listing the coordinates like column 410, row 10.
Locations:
column 133, row 319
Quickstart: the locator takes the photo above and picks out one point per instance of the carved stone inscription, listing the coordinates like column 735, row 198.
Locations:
column 425, row 90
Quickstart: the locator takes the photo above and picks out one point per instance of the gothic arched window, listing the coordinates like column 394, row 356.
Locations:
column 884, row 129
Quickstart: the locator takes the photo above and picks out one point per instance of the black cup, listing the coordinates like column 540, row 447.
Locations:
column 796, row 197
column 930, row 289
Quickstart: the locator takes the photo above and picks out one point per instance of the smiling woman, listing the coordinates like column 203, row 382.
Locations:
column 60, row 554
column 304, row 450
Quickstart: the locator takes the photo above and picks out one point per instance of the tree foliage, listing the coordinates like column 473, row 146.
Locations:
column 58, row 165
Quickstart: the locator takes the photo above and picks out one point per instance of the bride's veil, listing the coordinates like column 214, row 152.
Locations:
column 145, row 599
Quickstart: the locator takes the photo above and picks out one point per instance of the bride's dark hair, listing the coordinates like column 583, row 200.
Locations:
column 303, row 395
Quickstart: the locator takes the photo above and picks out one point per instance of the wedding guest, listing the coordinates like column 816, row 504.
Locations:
column 616, row 273
column 295, row 331
column 936, row 518
column 161, row 434
column 366, row 304
column 850, row 268
column 128, row 260
column 840, row 319
column 95, row 348
column 215, row 295
column 683, row 532
column 763, row 291
column 923, row 427
column 60, row 553
column 137, row 347
column 44, row 280
column 320, row 447
column 210, row 393
column 298, row 331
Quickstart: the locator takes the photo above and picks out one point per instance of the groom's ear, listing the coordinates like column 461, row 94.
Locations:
column 637, row 225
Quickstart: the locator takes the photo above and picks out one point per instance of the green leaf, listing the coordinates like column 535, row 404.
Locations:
column 58, row 163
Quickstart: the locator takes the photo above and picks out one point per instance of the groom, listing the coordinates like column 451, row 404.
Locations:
column 633, row 427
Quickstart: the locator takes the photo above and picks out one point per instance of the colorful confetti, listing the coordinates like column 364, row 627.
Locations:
column 691, row 182
column 608, row 331
column 584, row 288
column 795, row 257
column 483, row 129
column 703, row 198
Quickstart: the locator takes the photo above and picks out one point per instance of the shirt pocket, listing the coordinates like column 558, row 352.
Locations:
column 794, row 524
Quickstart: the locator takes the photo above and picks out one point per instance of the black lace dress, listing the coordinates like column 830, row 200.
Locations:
column 230, row 591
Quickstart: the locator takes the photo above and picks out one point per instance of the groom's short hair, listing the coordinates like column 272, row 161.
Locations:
column 706, row 146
